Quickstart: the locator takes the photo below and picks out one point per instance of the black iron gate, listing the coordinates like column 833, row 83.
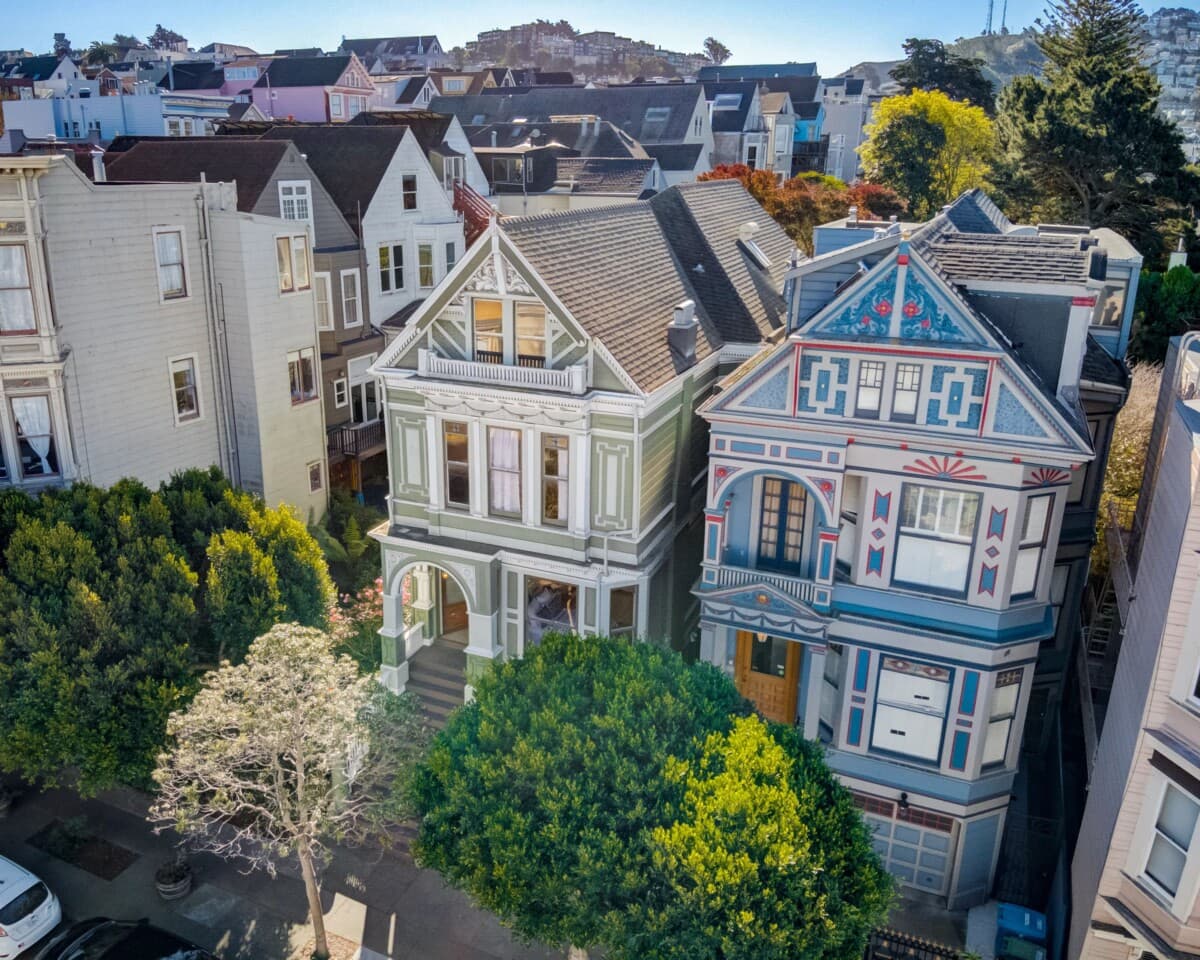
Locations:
column 888, row 944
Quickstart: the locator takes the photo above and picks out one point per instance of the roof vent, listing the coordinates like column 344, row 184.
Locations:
column 1098, row 264
column 747, row 231
column 681, row 332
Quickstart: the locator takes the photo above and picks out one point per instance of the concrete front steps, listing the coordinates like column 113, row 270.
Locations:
column 437, row 676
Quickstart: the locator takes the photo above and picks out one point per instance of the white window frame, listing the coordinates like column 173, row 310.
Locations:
column 914, row 701
column 316, row 375
column 324, row 306
column 1002, row 716
column 297, row 252
column 562, row 481
column 1035, row 542
column 871, row 374
column 320, row 475
column 341, row 392
column 391, row 269
column 23, row 247
column 335, row 105
column 357, row 298
column 405, row 193
column 1180, row 902
column 905, row 371
column 421, row 267
column 194, row 360
column 954, row 540
column 183, row 263
column 451, row 251
column 295, row 186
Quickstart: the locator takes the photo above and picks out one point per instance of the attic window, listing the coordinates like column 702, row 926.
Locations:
column 727, row 101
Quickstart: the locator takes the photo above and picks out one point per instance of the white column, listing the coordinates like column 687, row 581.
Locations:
column 579, row 484
column 812, row 678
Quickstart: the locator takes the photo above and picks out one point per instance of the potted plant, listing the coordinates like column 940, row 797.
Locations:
column 173, row 879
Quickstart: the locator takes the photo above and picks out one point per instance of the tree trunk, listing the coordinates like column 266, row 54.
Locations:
column 576, row 953
column 320, row 944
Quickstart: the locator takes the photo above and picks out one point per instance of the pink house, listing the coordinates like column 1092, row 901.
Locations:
column 321, row 89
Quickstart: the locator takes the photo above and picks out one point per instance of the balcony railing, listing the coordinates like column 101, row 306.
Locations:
column 356, row 439
column 497, row 356
column 571, row 379
column 806, row 591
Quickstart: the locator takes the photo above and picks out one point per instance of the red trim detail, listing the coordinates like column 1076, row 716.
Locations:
column 902, row 260
column 1083, row 301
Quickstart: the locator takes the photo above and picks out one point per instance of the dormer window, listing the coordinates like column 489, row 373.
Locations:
column 513, row 333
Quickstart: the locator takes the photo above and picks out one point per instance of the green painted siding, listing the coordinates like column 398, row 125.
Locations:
column 409, row 467
column 658, row 470
column 608, row 421
column 462, row 524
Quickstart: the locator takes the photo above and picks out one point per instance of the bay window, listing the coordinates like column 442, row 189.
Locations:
column 551, row 606
column 1000, row 717
column 831, row 686
column 451, row 255
column 848, row 522
column 910, row 709
column 555, row 464
column 36, row 452
column 324, row 302
column 456, row 447
column 933, row 545
column 1035, row 528
column 16, row 295
column 504, row 471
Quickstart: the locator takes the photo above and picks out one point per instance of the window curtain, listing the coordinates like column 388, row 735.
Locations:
column 33, row 421
column 504, row 456
column 170, row 260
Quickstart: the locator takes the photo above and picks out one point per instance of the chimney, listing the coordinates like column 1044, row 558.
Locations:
column 681, row 332
column 98, row 173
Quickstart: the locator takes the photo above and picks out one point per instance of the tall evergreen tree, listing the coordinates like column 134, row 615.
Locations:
column 928, row 65
column 1086, row 140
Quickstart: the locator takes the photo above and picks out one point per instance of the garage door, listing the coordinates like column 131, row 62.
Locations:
column 915, row 855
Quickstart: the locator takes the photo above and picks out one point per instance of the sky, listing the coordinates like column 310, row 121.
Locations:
column 835, row 34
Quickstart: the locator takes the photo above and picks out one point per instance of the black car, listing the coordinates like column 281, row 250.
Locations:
column 102, row 939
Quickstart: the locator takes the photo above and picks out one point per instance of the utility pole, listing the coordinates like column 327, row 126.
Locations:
column 987, row 27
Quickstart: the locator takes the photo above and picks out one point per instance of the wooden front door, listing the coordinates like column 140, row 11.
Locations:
column 768, row 674
column 454, row 606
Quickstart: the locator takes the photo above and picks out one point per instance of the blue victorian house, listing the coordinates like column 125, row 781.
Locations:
column 887, row 489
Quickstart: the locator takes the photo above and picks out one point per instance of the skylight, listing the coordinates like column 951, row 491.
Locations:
column 727, row 101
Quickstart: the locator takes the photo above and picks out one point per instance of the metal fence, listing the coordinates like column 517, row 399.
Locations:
column 886, row 944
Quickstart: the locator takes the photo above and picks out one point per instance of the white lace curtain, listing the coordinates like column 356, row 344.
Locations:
column 504, row 462
column 33, row 423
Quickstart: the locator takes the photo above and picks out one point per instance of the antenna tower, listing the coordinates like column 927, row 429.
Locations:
column 987, row 27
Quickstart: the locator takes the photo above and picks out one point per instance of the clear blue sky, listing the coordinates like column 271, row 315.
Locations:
column 835, row 33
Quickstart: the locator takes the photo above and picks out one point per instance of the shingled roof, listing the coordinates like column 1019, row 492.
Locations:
column 304, row 72
column 676, row 156
column 726, row 120
column 622, row 270
column 603, row 175
column 192, row 75
column 650, row 113
column 756, row 71
column 251, row 163
column 588, row 138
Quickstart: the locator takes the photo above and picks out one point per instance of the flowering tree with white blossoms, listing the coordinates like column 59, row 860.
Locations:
column 286, row 753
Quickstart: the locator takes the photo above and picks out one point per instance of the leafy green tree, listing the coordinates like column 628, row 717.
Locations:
column 928, row 65
column 352, row 555
column 716, row 51
column 164, row 39
column 767, row 857
column 915, row 157
column 458, row 55
column 1168, row 304
column 243, row 598
column 563, row 797
column 198, row 507
column 99, row 53
column 1086, row 139
column 126, row 40
column 277, row 758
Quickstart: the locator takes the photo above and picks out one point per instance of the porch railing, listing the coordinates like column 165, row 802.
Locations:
column 572, row 379
column 355, row 439
column 796, row 587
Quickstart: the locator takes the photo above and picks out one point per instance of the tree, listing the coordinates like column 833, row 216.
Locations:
column 766, row 858
column 914, row 157
column 1168, row 304
column 62, row 46
column 459, row 57
column 286, row 754
column 1085, row 140
column 551, row 799
column 164, row 39
column 928, row 65
column 716, row 51
column 124, row 41
column 99, row 53
column 243, row 593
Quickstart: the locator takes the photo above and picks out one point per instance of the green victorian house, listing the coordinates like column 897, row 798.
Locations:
column 547, row 465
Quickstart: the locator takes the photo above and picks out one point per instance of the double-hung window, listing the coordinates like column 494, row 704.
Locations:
column 622, row 612
column 488, row 316
column 408, row 187
column 781, row 525
column 1172, row 839
column 183, row 383
column 391, row 267
column 555, row 470
column 456, row 447
column 451, row 255
column 910, row 709
column 870, row 389
column 351, row 314
column 291, row 254
column 335, row 104
column 504, row 471
column 531, row 334
column 1034, row 530
column 168, row 253
column 933, row 546
column 323, row 294
column 908, row 389
column 295, row 202
column 848, row 523
column 302, row 375
column 425, row 265
column 315, row 479
column 1000, row 717
column 16, row 295
column 35, row 436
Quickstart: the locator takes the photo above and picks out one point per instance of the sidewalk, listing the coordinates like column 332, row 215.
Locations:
column 383, row 901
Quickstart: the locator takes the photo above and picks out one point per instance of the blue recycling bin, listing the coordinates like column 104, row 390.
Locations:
column 1015, row 921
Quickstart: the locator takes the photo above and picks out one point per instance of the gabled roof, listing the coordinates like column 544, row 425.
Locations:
column 349, row 160
column 192, row 75
column 774, row 102
column 590, row 139
column 390, row 46
column 304, row 72
column 756, row 71
column 730, row 120
column 429, row 128
column 650, row 113
column 603, row 175
column 800, row 89
column 35, row 68
column 852, row 86
column 621, row 271
column 251, row 163
column 676, row 157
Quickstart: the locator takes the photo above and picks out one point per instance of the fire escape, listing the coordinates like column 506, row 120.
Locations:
column 476, row 212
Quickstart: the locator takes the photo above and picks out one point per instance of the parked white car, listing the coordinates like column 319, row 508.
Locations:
column 28, row 910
